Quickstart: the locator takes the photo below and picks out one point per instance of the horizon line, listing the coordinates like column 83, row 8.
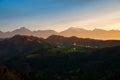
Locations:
column 62, row 30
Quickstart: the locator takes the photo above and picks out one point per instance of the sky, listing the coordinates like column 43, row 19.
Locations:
column 59, row 14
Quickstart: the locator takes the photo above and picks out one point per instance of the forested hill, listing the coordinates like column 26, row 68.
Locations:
column 64, row 63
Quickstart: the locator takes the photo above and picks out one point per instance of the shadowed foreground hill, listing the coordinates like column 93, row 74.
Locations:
column 99, row 64
column 59, row 58
column 86, row 42
column 18, row 44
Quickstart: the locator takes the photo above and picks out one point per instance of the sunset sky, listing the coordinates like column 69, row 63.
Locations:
column 59, row 14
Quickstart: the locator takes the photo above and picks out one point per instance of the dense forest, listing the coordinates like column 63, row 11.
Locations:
column 32, row 58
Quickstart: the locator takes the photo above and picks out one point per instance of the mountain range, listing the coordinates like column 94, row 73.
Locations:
column 72, row 31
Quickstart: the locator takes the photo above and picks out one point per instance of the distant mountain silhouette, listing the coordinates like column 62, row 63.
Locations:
column 95, row 34
column 44, row 33
column 78, row 32
column 1, row 32
column 25, row 31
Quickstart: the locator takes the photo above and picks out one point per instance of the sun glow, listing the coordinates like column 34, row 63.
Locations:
column 112, row 27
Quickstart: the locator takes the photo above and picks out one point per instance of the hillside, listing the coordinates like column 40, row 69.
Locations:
column 59, row 58
column 98, row 64
column 86, row 42
column 18, row 45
